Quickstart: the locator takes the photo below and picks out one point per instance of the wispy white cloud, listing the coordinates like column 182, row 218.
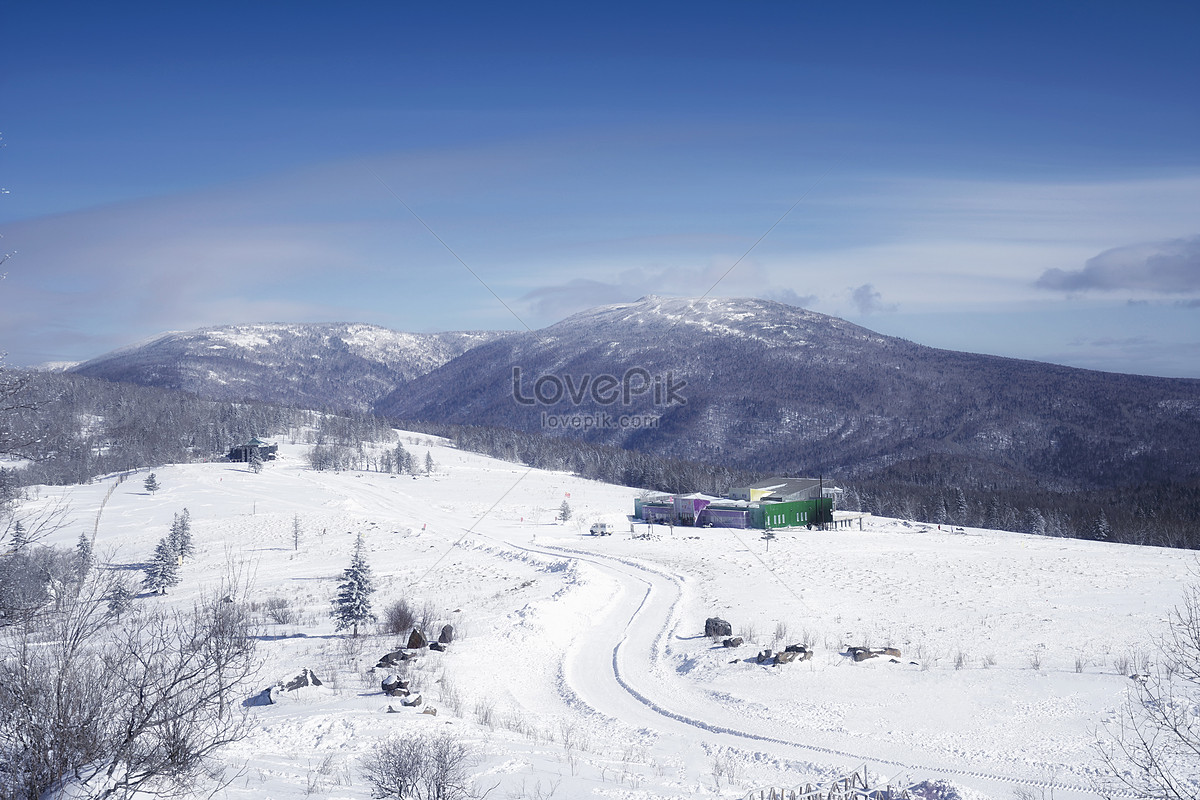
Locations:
column 869, row 301
column 551, row 238
column 1169, row 267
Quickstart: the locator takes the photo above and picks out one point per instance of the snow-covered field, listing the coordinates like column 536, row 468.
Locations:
column 581, row 668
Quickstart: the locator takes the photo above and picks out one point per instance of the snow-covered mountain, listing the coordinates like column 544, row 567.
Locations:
column 772, row 387
column 749, row 383
column 335, row 365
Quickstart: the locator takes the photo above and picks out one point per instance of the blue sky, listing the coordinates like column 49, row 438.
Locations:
column 1018, row 179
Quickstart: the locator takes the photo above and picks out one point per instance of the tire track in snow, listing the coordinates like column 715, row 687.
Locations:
column 670, row 622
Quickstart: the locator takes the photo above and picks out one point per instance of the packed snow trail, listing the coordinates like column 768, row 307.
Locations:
column 630, row 634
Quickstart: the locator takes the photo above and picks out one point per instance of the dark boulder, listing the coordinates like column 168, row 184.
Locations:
column 438, row 646
column 734, row 642
column 394, row 687
column 716, row 627
column 394, row 658
column 447, row 635
column 305, row 678
column 417, row 640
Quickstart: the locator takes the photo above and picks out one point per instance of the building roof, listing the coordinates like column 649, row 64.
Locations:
column 786, row 486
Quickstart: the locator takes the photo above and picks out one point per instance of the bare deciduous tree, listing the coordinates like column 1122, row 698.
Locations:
column 1153, row 749
column 113, row 709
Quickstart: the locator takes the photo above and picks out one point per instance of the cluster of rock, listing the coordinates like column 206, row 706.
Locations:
column 416, row 643
column 793, row 652
column 393, row 685
column 863, row 653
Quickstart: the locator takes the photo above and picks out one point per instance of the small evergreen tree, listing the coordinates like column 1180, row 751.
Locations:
column 83, row 556
column 564, row 511
column 404, row 460
column 256, row 462
column 163, row 570
column 1037, row 523
column 961, row 508
column 1102, row 531
column 181, row 535
column 119, row 597
column 428, row 463
column 352, row 606
column 20, row 537
column 151, row 483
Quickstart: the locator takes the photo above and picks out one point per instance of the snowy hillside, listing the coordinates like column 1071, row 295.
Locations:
column 581, row 669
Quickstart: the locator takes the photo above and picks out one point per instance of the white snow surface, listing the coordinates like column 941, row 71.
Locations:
column 580, row 665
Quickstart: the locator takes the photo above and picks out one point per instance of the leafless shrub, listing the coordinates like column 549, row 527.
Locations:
column 428, row 618
column 485, row 713
column 537, row 791
column 398, row 618
column 422, row 767
column 450, row 696
column 989, row 660
column 747, row 632
column 781, row 631
column 1035, row 660
column 279, row 610
column 961, row 660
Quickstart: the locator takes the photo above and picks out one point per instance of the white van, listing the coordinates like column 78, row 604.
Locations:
column 601, row 529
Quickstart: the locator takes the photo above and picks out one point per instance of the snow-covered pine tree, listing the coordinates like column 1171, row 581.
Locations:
column 20, row 537
column 352, row 606
column 151, row 483
column 256, row 462
column 564, row 511
column 428, row 463
column 181, row 535
column 961, row 508
column 83, row 556
column 119, row 597
column 1103, row 530
column 163, row 569
column 404, row 460
column 1037, row 523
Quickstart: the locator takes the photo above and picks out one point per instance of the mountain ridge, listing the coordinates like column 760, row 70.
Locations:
column 767, row 387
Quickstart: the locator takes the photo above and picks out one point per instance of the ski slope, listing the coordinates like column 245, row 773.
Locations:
column 581, row 669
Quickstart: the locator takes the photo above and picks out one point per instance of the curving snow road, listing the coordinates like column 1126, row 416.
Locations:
column 619, row 668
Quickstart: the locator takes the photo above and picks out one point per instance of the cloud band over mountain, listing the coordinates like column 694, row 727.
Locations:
column 1169, row 267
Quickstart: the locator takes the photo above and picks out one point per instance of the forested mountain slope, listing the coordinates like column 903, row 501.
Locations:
column 775, row 388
